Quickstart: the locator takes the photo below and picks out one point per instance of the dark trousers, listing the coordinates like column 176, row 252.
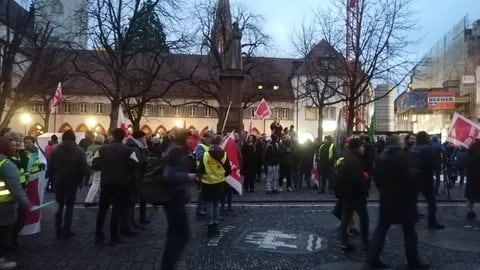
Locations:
column 378, row 241
column 428, row 193
column 249, row 180
column 142, row 208
column 227, row 196
column 65, row 194
column 3, row 238
column 119, row 197
column 436, row 175
column 348, row 208
column 14, row 232
column 285, row 172
column 178, row 234
column 325, row 175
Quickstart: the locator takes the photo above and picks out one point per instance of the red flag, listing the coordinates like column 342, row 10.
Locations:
column 462, row 131
column 57, row 97
column 122, row 122
column 234, row 178
column 263, row 110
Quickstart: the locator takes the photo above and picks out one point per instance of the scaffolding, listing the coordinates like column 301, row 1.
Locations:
column 446, row 61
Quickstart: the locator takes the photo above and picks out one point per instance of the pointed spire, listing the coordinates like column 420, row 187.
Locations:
column 222, row 26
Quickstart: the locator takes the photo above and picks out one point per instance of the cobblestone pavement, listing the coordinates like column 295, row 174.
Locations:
column 254, row 236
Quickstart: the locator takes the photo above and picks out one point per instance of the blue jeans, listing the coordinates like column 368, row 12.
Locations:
column 213, row 211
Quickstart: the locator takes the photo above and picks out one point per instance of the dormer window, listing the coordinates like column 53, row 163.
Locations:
column 260, row 86
column 276, row 87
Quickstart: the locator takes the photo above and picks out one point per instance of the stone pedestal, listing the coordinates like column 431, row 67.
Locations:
column 231, row 85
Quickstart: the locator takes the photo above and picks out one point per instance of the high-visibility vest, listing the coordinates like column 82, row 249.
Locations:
column 21, row 172
column 214, row 171
column 330, row 151
column 205, row 150
column 5, row 195
column 33, row 163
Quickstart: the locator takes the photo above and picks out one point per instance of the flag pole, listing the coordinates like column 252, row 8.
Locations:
column 55, row 120
column 226, row 116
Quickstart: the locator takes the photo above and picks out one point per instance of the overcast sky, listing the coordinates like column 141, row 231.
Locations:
column 435, row 18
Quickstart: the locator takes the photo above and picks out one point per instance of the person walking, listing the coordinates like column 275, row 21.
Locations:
column 351, row 190
column 472, row 187
column 11, row 195
column 200, row 149
column 117, row 163
column 421, row 155
column 214, row 167
column 67, row 167
column 178, row 173
column 398, row 203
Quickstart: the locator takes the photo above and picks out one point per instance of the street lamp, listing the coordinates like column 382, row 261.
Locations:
column 91, row 122
column 25, row 118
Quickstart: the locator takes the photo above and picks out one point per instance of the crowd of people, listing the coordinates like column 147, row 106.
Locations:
column 400, row 168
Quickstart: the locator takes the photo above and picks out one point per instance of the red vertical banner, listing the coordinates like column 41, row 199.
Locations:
column 35, row 187
column 234, row 178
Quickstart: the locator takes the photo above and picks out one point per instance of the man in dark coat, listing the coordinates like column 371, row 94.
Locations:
column 350, row 188
column 398, row 203
column 421, row 155
column 472, row 188
column 67, row 168
column 117, row 163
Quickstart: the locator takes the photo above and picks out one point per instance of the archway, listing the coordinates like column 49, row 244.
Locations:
column 35, row 130
column 146, row 129
column 99, row 129
column 191, row 128
column 160, row 130
column 82, row 128
column 64, row 127
column 255, row 131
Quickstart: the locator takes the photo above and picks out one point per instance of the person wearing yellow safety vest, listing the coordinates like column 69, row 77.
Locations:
column 201, row 148
column 214, row 167
column 20, row 159
column 11, row 195
column 34, row 164
column 326, row 163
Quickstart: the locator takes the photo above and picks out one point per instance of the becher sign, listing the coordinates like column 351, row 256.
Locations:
column 440, row 100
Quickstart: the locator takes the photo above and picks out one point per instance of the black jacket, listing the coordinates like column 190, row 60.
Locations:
column 349, row 182
column 117, row 163
column 398, row 191
column 68, row 164
column 270, row 155
column 422, row 161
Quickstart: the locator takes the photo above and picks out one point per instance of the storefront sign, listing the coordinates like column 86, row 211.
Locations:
column 440, row 100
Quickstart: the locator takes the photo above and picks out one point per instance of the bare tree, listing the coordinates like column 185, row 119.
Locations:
column 127, row 71
column 29, row 62
column 378, row 50
column 318, row 77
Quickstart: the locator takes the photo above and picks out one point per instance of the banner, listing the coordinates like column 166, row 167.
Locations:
column 263, row 110
column 440, row 100
column 122, row 122
column 57, row 97
column 234, row 179
column 462, row 131
column 35, row 187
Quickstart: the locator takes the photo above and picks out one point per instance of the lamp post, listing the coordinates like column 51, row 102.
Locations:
column 25, row 118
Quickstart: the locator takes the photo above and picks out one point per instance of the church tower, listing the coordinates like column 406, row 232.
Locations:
column 67, row 18
column 222, row 30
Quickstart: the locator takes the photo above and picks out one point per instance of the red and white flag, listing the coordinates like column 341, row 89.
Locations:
column 122, row 122
column 462, row 131
column 35, row 187
column 263, row 110
column 57, row 97
column 234, row 179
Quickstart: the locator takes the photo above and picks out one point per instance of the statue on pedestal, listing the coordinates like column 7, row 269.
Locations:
column 234, row 54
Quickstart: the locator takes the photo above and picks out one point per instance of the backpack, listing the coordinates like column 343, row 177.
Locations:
column 152, row 184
